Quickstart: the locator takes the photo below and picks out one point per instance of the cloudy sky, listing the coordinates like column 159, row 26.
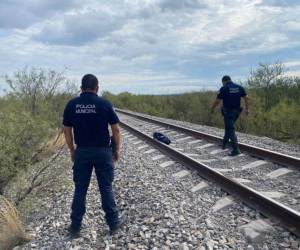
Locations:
column 150, row 46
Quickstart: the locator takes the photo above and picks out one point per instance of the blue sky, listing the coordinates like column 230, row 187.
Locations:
column 150, row 46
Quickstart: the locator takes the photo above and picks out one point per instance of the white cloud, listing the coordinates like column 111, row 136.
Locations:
column 292, row 64
column 281, row 3
column 293, row 25
column 129, row 43
column 80, row 28
column 178, row 5
column 22, row 14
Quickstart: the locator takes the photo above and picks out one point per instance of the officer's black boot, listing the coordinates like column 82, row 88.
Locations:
column 115, row 228
column 224, row 143
column 74, row 231
column 236, row 150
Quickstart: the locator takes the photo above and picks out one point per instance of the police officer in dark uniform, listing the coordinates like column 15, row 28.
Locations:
column 87, row 118
column 231, row 95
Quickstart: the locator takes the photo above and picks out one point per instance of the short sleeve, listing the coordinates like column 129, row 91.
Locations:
column 67, row 118
column 243, row 91
column 221, row 93
column 112, row 116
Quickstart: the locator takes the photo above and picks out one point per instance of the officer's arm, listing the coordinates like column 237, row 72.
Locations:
column 69, row 138
column 117, row 137
column 215, row 104
column 246, row 99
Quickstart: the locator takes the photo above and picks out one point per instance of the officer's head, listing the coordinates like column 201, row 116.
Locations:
column 226, row 79
column 89, row 82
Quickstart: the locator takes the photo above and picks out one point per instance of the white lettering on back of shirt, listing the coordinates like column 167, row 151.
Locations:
column 85, row 109
column 234, row 90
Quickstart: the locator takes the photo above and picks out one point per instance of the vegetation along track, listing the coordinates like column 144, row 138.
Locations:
column 259, row 177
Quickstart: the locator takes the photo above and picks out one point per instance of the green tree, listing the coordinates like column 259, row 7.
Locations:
column 30, row 114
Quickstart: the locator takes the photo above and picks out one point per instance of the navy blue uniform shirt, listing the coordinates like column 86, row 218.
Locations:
column 231, row 94
column 90, row 115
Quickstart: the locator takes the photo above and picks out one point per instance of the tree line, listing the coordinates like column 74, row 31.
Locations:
column 274, row 110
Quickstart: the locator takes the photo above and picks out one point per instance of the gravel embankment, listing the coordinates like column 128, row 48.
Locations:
column 162, row 212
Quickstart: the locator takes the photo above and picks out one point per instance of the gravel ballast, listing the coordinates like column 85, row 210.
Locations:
column 287, row 192
column 161, row 211
column 263, row 142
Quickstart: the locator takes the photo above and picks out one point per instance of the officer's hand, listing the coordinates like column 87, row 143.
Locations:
column 116, row 156
column 72, row 154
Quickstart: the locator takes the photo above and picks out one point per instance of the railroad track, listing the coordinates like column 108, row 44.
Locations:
column 282, row 159
column 265, row 180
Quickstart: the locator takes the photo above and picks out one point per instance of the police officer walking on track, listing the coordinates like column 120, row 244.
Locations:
column 87, row 117
column 231, row 95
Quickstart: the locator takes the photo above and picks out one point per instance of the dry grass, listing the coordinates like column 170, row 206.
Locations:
column 49, row 148
column 12, row 232
column 57, row 141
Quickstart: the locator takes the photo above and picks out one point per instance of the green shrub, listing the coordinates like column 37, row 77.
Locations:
column 274, row 109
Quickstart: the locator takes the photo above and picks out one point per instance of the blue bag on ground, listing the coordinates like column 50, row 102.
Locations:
column 161, row 137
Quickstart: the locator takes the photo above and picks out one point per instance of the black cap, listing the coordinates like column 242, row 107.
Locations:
column 89, row 81
column 226, row 79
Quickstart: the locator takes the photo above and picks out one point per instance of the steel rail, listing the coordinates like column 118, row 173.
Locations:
column 288, row 217
column 275, row 157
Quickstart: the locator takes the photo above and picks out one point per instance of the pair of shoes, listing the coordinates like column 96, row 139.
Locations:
column 74, row 232
column 235, row 152
column 113, row 229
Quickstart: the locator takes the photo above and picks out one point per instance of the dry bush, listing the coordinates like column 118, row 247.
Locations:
column 39, row 173
column 12, row 232
column 45, row 173
column 49, row 148
column 57, row 141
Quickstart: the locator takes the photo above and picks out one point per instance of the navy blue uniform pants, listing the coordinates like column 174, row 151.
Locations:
column 85, row 160
column 230, row 117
